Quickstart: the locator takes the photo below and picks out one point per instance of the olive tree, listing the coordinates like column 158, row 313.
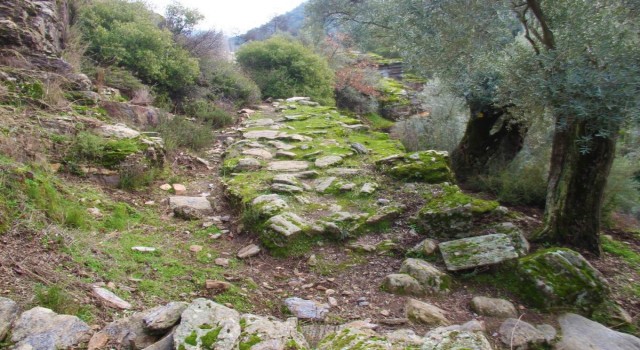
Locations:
column 574, row 61
column 437, row 38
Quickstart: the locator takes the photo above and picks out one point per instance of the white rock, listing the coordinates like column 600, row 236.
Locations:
column 248, row 251
column 41, row 328
column 110, row 299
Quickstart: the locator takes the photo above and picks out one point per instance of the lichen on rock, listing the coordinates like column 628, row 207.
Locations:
column 562, row 277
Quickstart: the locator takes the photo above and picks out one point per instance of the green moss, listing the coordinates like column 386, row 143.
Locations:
column 562, row 278
column 621, row 250
column 192, row 339
column 208, row 340
column 377, row 122
column 253, row 340
column 427, row 166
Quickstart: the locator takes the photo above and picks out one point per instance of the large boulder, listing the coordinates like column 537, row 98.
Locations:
column 126, row 333
column 43, row 329
column 449, row 213
column 163, row 318
column 267, row 333
column 519, row 334
column 493, row 307
column 579, row 333
column 429, row 276
column 403, row 284
column 207, row 325
column 428, row 314
column 34, row 31
column 451, row 339
column 562, row 277
column 426, row 166
column 8, row 313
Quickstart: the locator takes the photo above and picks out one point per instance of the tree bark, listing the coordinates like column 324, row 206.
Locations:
column 576, row 186
column 490, row 142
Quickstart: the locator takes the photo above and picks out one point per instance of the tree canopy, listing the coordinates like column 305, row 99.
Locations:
column 127, row 34
column 574, row 61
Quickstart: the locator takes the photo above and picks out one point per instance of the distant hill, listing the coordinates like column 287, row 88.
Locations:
column 290, row 22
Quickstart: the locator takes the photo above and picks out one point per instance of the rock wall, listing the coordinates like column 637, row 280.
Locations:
column 32, row 34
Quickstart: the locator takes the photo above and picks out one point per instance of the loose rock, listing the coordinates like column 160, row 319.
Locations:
column 307, row 309
column 580, row 333
column 248, row 251
column 162, row 318
column 8, row 314
column 41, row 328
column 473, row 252
column 425, row 313
column 493, row 307
column 110, row 299
column 520, row 334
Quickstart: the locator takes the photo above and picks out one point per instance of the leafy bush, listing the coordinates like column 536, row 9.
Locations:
column 209, row 113
column 178, row 132
column 95, row 149
column 283, row 68
column 126, row 34
column 225, row 80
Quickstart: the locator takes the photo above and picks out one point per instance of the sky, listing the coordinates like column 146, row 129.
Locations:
column 233, row 17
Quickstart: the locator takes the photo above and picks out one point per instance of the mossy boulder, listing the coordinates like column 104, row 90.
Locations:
column 207, row 325
column 472, row 252
column 450, row 213
column 354, row 338
column 426, row 166
column 560, row 277
column 430, row 278
column 260, row 332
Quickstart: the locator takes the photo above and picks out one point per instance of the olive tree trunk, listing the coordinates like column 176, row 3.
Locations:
column 491, row 140
column 577, row 179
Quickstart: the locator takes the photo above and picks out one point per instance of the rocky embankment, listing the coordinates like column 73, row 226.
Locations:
column 204, row 324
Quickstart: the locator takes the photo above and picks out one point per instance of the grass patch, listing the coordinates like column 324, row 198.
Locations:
column 377, row 122
column 57, row 299
column 621, row 250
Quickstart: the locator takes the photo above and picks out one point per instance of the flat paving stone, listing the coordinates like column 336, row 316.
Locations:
column 288, row 165
column 478, row 251
column 258, row 152
column 328, row 161
column 198, row 203
column 262, row 134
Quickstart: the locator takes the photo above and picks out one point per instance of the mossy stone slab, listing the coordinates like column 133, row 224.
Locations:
column 468, row 253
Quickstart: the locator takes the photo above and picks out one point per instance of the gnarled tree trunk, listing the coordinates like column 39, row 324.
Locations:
column 491, row 140
column 577, row 180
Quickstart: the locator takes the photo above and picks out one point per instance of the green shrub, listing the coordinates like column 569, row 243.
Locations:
column 283, row 68
column 226, row 81
column 208, row 113
column 126, row 34
column 121, row 216
column 98, row 150
column 42, row 194
column 178, row 132
column 137, row 175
